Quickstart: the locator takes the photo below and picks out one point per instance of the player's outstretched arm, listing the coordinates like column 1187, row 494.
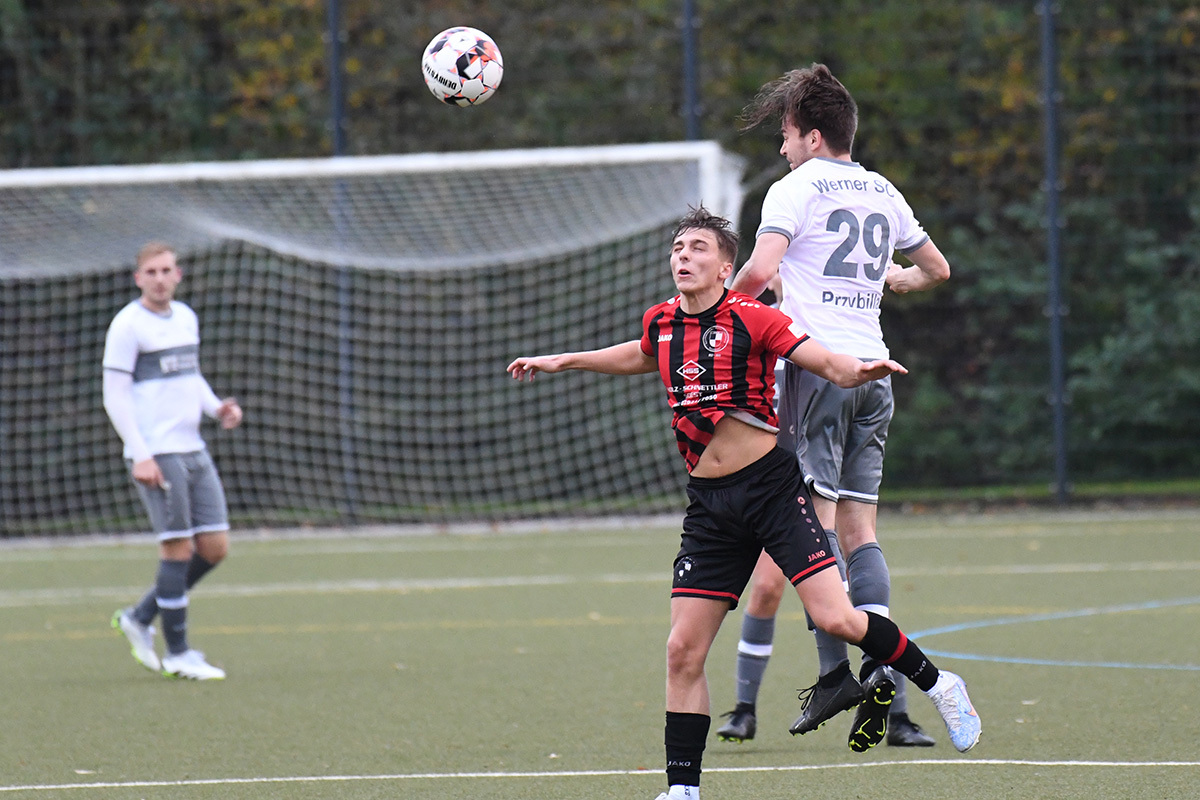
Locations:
column 626, row 358
column 846, row 371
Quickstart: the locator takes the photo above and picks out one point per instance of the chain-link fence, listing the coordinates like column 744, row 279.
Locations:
column 951, row 101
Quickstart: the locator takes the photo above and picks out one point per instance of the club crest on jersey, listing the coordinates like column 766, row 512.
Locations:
column 691, row 371
column 716, row 339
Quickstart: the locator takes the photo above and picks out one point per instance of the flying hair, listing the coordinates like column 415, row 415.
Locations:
column 809, row 98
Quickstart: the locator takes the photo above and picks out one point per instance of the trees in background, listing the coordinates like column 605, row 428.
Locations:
column 950, row 100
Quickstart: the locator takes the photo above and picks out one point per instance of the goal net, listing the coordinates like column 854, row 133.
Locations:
column 362, row 310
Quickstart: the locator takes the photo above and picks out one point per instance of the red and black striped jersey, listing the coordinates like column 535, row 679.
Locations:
column 717, row 362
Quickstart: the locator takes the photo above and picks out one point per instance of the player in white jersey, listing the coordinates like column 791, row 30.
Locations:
column 829, row 229
column 156, row 396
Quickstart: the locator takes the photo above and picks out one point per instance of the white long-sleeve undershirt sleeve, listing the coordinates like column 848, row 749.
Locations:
column 209, row 402
column 118, row 402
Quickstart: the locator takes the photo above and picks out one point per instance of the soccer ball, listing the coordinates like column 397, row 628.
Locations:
column 462, row 66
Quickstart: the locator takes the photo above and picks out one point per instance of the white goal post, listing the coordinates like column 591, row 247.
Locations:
column 362, row 310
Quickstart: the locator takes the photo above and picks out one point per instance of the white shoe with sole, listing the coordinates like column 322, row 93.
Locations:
column 141, row 639
column 191, row 664
column 949, row 694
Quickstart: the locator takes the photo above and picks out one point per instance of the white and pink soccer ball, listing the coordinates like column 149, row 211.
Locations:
column 462, row 66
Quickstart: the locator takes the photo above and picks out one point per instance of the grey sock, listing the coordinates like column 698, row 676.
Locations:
column 171, row 596
column 198, row 567
column 871, row 589
column 900, row 701
column 147, row 608
column 754, row 651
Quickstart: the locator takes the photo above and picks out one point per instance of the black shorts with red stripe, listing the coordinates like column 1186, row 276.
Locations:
column 732, row 519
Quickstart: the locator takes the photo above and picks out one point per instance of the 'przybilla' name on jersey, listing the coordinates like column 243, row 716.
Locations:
column 882, row 187
column 859, row 300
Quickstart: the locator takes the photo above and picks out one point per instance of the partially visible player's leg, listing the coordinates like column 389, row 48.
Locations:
column 694, row 625
column 207, row 548
column 170, row 518
column 170, row 588
column 197, row 506
column 717, row 557
column 754, row 649
column 883, row 641
column 210, row 549
column 836, row 689
column 791, row 533
column 870, row 589
column 811, row 420
column 869, row 578
column 210, row 515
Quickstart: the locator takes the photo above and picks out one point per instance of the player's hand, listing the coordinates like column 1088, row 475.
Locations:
column 229, row 413
column 895, row 279
column 147, row 473
column 529, row 366
column 874, row 370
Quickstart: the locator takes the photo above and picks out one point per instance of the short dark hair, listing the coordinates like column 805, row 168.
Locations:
column 809, row 98
column 701, row 218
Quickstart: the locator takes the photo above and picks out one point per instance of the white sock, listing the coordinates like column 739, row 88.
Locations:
column 680, row 792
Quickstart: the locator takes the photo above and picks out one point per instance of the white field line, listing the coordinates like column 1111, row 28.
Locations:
column 22, row 598
column 958, row 762
column 26, row 598
column 999, row 525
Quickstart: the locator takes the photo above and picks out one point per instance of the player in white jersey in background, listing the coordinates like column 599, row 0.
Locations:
column 156, row 396
column 829, row 229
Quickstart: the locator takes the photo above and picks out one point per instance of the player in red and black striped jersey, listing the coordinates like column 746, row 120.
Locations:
column 715, row 352
column 718, row 362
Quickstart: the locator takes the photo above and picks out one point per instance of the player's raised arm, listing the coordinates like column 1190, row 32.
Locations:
column 763, row 264
column 929, row 269
column 839, row 368
column 626, row 358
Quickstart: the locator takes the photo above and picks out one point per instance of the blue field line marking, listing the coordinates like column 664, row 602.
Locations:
column 1149, row 605
column 1045, row 662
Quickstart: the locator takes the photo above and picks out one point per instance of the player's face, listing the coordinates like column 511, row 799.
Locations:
column 696, row 261
column 797, row 147
column 157, row 277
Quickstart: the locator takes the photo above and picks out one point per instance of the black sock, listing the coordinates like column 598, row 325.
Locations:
column 685, row 737
column 886, row 643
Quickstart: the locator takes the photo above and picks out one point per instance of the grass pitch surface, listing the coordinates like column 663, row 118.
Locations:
column 530, row 665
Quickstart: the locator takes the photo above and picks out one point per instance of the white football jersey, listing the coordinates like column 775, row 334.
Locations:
column 843, row 222
column 162, row 353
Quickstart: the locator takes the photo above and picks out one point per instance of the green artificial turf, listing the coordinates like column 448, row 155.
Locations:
column 531, row 665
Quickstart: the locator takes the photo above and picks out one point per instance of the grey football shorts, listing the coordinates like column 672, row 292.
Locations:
column 193, row 501
column 838, row 434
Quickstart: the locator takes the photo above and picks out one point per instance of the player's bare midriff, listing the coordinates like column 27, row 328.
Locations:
column 734, row 445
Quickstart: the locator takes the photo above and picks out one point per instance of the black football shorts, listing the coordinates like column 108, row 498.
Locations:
column 732, row 519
